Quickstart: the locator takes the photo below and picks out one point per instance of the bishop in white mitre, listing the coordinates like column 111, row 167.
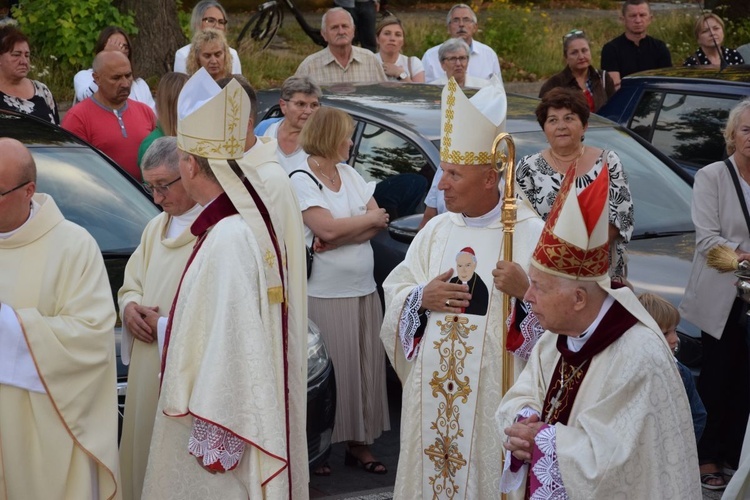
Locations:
column 449, row 359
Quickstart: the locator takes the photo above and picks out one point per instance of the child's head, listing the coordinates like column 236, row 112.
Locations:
column 666, row 316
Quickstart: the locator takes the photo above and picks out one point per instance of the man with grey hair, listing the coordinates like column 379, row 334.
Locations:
column 340, row 62
column 462, row 23
column 455, row 55
column 300, row 98
column 151, row 278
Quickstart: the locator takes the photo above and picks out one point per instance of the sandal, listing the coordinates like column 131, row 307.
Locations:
column 713, row 476
column 373, row 467
column 323, row 470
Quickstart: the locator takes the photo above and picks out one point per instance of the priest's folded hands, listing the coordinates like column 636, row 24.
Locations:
column 521, row 434
column 439, row 295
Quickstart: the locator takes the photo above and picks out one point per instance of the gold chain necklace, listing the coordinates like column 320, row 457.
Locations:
column 558, row 159
column 555, row 402
column 320, row 171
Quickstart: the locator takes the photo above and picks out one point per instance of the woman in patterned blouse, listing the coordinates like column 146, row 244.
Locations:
column 709, row 31
column 17, row 92
column 563, row 114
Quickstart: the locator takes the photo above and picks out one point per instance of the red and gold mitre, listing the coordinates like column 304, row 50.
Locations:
column 575, row 240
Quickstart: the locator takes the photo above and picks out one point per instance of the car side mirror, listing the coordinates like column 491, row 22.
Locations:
column 405, row 228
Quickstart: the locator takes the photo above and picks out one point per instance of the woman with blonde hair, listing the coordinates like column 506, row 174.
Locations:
column 167, row 92
column 709, row 32
column 206, row 14
column 341, row 216
column 210, row 50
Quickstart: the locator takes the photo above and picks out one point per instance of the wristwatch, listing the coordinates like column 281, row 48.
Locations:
column 403, row 76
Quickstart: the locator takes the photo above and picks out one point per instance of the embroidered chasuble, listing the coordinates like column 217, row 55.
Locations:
column 452, row 382
column 61, row 443
column 234, row 379
column 620, row 428
column 151, row 278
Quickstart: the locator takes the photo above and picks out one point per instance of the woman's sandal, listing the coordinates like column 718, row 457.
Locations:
column 709, row 476
column 322, row 470
column 373, row 467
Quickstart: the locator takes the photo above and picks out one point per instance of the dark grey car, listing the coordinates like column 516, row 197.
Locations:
column 396, row 143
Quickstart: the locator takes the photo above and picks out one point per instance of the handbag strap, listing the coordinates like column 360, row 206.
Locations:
column 738, row 188
column 408, row 65
column 316, row 181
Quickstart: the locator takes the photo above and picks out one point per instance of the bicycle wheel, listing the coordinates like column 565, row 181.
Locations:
column 262, row 26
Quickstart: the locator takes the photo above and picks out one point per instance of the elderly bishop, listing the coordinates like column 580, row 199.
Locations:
column 443, row 335
column 599, row 411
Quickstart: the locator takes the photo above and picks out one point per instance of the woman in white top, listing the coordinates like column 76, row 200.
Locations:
column 300, row 98
column 341, row 216
column 112, row 38
column 206, row 14
column 390, row 36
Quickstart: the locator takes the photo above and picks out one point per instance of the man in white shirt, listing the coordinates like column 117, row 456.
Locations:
column 462, row 23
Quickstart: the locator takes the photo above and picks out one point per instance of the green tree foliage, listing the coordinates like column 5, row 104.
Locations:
column 68, row 29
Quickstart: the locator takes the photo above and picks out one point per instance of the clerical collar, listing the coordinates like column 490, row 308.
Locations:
column 178, row 223
column 575, row 344
column 486, row 219
column 35, row 206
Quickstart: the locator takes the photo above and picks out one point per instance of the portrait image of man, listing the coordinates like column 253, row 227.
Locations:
column 466, row 266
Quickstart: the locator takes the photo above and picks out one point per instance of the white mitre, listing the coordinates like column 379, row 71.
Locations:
column 211, row 121
column 469, row 126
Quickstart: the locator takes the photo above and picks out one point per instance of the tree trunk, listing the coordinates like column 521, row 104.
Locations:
column 159, row 35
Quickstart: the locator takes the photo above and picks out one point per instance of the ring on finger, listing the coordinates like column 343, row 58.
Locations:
column 447, row 302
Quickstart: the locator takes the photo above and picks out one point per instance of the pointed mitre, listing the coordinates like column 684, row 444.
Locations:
column 575, row 240
column 211, row 121
column 469, row 126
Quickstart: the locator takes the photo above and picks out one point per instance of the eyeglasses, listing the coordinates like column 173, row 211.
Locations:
column 162, row 190
column 452, row 60
column 302, row 105
column 212, row 21
column 573, row 34
column 462, row 20
column 14, row 189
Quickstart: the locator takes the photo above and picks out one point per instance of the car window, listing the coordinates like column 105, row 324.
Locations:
column 661, row 197
column 94, row 195
column 402, row 172
column 642, row 122
column 689, row 128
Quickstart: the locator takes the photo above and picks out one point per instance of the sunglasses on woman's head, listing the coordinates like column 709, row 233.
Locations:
column 573, row 34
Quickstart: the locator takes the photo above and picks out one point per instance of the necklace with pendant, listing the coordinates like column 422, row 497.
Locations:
column 559, row 160
column 320, row 171
column 555, row 402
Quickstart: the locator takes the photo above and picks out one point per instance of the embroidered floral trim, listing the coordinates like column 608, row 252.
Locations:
column 546, row 468
column 409, row 322
column 219, row 448
column 532, row 331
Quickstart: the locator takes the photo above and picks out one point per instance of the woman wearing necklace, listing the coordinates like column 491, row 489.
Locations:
column 341, row 216
column 709, row 32
column 563, row 115
column 390, row 36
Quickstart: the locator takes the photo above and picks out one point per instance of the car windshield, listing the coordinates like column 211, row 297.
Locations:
column 94, row 195
column 661, row 197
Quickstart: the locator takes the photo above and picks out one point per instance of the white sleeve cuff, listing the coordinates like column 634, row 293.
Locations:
column 161, row 333
column 17, row 366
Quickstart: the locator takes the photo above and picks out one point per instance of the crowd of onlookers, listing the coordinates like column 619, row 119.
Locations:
column 116, row 112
